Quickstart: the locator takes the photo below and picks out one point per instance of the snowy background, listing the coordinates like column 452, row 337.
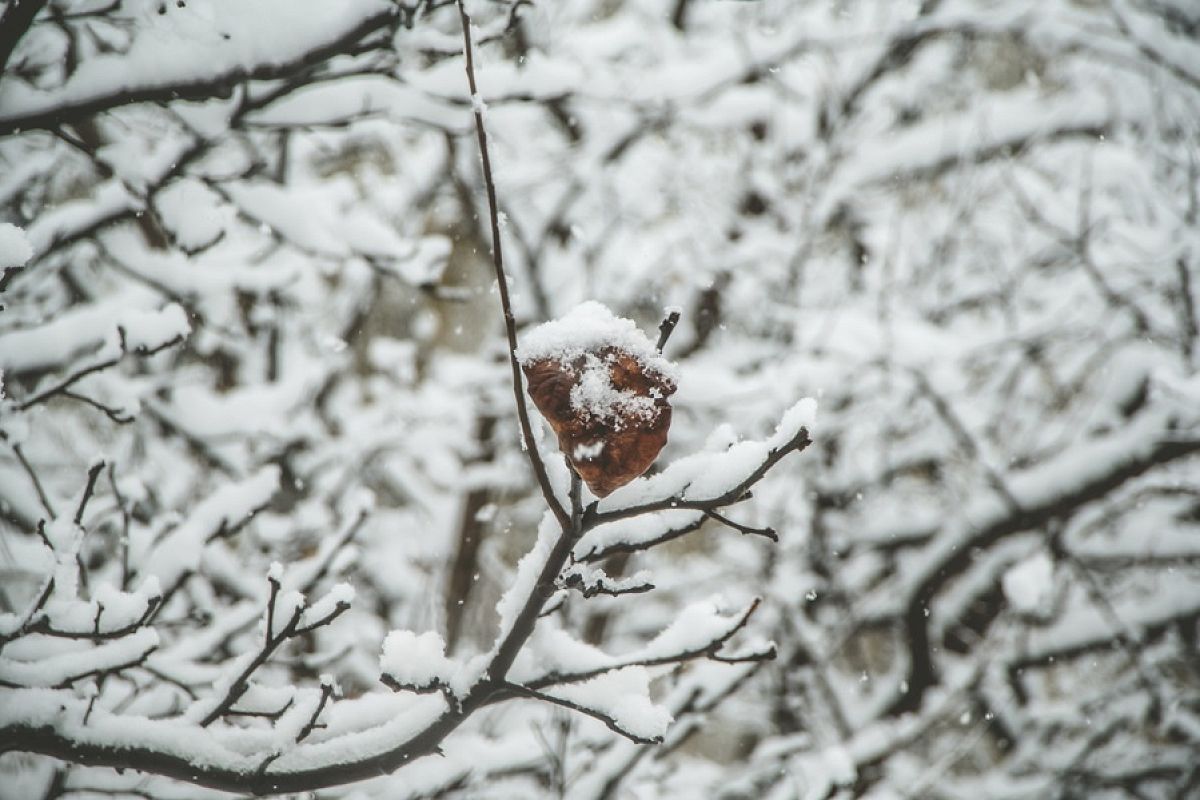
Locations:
column 265, row 519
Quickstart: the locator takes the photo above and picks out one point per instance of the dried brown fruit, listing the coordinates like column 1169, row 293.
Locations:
column 603, row 389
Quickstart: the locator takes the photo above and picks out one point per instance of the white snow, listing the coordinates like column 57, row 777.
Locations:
column 192, row 212
column 706, row 476
column 15, row 249
column 595, row 394
column 416, row 660
column 66, row 667
column 1028, row 584
column 528, row 569
column 83, row 328
column 147, row 330
column 1001, row 216
column 624, row 696
column 196, row 39
column 180, row 550
column 340, row 594
column 587, row 328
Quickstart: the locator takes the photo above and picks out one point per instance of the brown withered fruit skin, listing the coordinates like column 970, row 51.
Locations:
column 631, row 443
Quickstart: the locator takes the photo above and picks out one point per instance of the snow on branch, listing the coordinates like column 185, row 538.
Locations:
column 223, row 513
column 699, row 631
column 708, row 481
column 195, row 61
column 288, row 616
column 679, row 499
column 619, row 698
column 168, row 664
column 15, row 252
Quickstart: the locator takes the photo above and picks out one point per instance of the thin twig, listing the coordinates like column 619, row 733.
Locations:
column 117, row 415
column 93, row 474
column 311, row 725
column 710, row 649
column 740, row 528
column 797, row 443
column 33, row 478
column 666, row 328
column 66, row 383
column 348, row 533
column 610, row 722
column 510, row 322
column 123, row 542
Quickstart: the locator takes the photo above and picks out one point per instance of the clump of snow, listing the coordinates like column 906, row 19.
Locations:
column 695, row 628
column 339, row 595
column 586, row 452
column 707, row 475
column 528, row 569
column 148, row 330
column 588, row 328
column 179, row 551
column 1027, row 585
column 416, row 660
column 596, row 395
column 192, row 212
column 622, row 695
column 63, row 668
column 803, row 415
column 15, row 249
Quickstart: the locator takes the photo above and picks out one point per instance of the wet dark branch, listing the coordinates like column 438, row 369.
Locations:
column 43, row 498
column 619, row 548
column 1106, row 642
column 711, row 650
column 311, row 725
column 344, row 539
column 1178, row 70
column 666, row 328
column 31, row 617
column 44, row 627
column 271, row 642
column 594, row 585
column 273, row 716
column 15, row 23
column 110, row 669
column 66, row 383
column 338, row 610
column 797, row 443
column 117, row 415
column 922, row 674
column 88, row 490
column 768, row 533
column 544, row 587
column 200, row 88
column 432, row 687
column 898, row 53
column 164, row 761
column 609, row 722
column 1187, row 310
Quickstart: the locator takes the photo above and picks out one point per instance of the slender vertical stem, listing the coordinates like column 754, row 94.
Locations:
column 93, row 474
column 510, row 323
column 43, row 498
column 576, row 500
